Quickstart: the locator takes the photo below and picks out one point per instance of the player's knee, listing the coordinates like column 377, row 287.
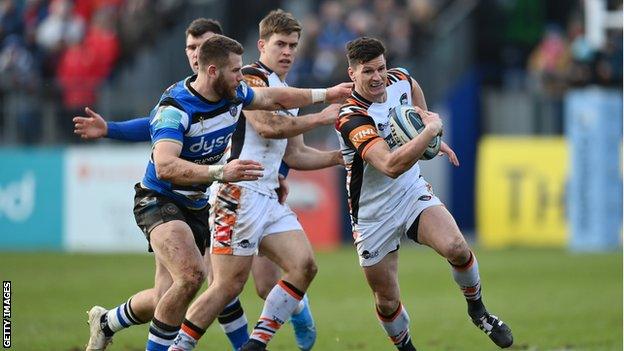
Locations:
column 229, row 288
column 457, row 251
column 309, row 268
column 192, row 279
column 386, row 305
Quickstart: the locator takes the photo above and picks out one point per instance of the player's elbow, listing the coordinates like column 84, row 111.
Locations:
column 164, row 170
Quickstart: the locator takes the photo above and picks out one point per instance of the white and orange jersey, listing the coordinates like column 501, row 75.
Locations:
column 361, row 124
column 247, row 144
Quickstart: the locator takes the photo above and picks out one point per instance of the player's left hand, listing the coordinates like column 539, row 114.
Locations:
column 329, row 115
column 338, row 93
column 445, row 149
column 338, row 157
column 282, row 190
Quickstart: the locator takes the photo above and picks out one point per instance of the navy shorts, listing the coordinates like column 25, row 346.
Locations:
column 152, row 209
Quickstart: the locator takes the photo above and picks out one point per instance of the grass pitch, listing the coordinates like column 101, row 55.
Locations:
column 553, row 300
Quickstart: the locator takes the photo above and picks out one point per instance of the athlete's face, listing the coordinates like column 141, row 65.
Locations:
column 192, row 49
column 370, row 78
column 229, row 77
column 278, row 52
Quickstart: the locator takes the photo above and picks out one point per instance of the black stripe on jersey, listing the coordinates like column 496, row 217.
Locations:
column 361, row 99
column 202, row 116
column 354, row 121
column 253, row 71
column 238, row 138
column 169, row 101
column 395, row 75
column 355, row 185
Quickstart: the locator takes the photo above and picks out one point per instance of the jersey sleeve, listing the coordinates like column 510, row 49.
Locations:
column 168, row 124
column 245, row 93
column 357, row 129
column 134, row 130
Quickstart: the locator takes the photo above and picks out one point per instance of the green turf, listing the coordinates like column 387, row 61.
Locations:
column 553, row 300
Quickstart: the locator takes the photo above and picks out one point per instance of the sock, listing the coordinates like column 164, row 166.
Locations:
column 119, row 318
column 397, row 328
column 467, row 277
column 278, row 307
column 234, row 323
column 300, row 306
column 160, row 336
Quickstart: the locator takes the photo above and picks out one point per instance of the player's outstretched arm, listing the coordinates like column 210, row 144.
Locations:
column 394, row 163
column 277, row 98
column 93, row 126
column 302, row 157
column 274, row 126
column 170, row 167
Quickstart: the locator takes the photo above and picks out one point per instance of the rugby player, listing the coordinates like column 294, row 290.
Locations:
column 190, row 128
column 248, row 216
column 389, row 199
column 140, row 308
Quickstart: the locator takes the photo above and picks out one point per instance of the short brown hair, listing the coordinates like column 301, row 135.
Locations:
column 216, row 50
column 364, row 49
column 202, row 25
column 278, row 21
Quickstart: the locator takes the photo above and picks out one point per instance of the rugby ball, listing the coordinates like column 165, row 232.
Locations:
column 406, row 124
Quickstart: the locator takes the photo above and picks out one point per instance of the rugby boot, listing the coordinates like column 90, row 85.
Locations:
column 496, row 329
column 97, row 340
column 253, row 345
column 303, row 324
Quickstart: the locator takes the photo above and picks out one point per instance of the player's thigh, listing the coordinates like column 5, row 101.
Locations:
column 437, row 229
column 175, row 247
column 230, row 270
column 265, row 273
column 383, row 278
column 291, row 250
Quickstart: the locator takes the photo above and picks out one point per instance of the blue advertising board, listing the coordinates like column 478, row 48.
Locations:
column 593, row 119
column 31, row 199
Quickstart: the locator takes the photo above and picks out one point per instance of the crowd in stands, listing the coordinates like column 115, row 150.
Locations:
column 403, row 26
column 62, row 51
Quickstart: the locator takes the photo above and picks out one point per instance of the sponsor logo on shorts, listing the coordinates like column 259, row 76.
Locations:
column 424, row 198
column 368, row 255
column 245, row 244
column 170, row 209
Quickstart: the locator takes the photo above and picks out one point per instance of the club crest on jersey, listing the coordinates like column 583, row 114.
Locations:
column 233, row 110
column 403, row 99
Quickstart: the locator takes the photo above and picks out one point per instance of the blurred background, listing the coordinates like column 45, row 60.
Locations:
column 531, row 96
column 530, row 92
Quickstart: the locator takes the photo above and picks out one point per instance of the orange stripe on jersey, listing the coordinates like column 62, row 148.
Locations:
column 254, row 81
column 373, row 142
column 362, row 134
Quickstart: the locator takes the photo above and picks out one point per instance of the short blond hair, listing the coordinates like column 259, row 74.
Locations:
column 279, row 21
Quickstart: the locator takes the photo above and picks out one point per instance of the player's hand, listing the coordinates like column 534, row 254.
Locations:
column 241, row 170
column 338, row 93
column 91, row 127
column 338, row 158
column 329, row 114
column 282, row 190
column 431, row 120
column 445, row 149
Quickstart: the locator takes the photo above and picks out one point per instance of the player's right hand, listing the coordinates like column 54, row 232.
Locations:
column 431, row 120
column 91, row 127
column 338, row 93
column 241, row 170
column 330, row 114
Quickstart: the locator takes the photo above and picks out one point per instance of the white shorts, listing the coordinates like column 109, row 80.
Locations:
column 374, row 239
column 241, row 217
